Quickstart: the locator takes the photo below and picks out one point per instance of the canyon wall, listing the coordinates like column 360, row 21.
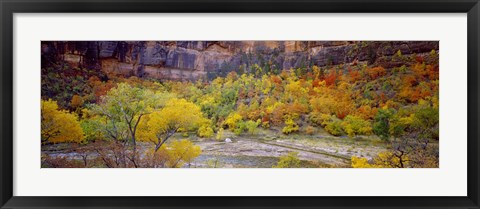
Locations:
column 189, row 60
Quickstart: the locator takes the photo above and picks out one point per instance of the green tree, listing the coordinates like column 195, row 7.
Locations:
column 381, row 125
column 124, row 106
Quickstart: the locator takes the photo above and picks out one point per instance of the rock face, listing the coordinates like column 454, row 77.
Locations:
column 190, row 60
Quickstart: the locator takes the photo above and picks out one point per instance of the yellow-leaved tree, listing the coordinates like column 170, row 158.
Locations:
column 173, row 155
column 59, row 125
column 382, row 160
column 160, row 125
column 181, row 152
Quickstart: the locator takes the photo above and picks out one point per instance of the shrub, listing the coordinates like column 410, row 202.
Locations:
column 332, row 124
column 289, row 161
column 240, row 128
column 354, row 125
column 334, row 128
column 315, row 117
column 359, row 162
column 310, row 130
column 205, row 131
column 320, row 118
column 232, row 120
column 290, row 126
column 251, row 126
column 266, row 124
column 219, row 136
column 376, row 72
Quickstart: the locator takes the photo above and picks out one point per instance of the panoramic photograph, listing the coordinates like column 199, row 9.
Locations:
column 240, row 104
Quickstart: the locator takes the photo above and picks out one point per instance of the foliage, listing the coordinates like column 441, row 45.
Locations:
column 358, row 162
column 251, row 126
column 233, row 120
column 123, row 107
column 334, row 128
column 205, row 131
column 381, row 125
column 353, row 125
column 160, row 125
column 290, row 160
column 382, row 160
column 92, row 128
column 376, row 72
column 173, row 155
column 290, row 126
column 219, row 136
column 77, row 101
column 310, row 130
column 59, row 125
column 240, row 128
column 331, row 124
column 182, row 152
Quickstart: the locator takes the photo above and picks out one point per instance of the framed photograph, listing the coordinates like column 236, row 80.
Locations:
column 265, row 104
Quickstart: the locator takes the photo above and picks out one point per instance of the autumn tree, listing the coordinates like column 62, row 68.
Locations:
column 126, row 105
column 122, row 109
column 173, row 155
column 375, row 72
column 219, row 136
column 59, row 125
column 160, row 125
column 382, row 160
column 290, row 126
column 205, row 131
column 182, row 152
column 232, row 120
column 77, row 101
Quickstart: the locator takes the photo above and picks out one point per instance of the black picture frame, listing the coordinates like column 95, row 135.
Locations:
column 9, row 7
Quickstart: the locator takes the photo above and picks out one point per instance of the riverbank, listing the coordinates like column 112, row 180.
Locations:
column 260, row 150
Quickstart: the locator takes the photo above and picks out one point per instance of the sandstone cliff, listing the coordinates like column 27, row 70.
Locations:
column 189, row 60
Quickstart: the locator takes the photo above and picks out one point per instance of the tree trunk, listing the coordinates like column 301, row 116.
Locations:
column 157, row 147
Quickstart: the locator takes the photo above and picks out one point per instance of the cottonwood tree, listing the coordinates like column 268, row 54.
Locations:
column 123, row 108
column 59, row 125
column 160, row 125
column 181, row 152
column 172, row 155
